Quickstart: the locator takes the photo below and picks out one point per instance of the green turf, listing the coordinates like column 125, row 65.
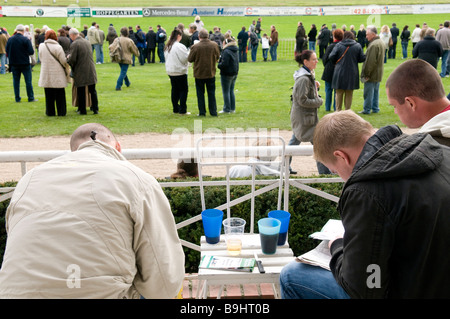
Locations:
column 262, row 88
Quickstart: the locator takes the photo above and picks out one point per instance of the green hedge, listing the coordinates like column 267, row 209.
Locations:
column 308, row 213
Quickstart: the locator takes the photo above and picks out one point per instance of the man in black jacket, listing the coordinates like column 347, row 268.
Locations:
column 18, row 51
column 150, row 38
column 324, row 39
column 394, row 209
column 428, row 49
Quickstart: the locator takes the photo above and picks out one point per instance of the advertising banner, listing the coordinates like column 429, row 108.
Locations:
column 189, row 12
column 78, row 12
column 116, row 12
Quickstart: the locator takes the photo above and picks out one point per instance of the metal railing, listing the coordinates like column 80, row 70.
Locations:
column 24, row 157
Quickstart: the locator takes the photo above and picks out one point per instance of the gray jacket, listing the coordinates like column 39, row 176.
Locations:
column 305, row 102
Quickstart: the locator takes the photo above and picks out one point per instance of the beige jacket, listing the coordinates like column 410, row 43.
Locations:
column 89, row 224
column 93, row 36
column 53, row 75
column 128, row 49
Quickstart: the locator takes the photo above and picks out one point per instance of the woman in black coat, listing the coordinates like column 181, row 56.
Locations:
column 346, row 56
column 328, row 70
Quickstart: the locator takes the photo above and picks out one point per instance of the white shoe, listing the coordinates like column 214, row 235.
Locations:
column 187, row 113
column 223, row 112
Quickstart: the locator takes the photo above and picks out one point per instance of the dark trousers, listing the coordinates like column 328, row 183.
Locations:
column 81, row 96
column 211, row 90
column 17, row 70
column 150, row 55
column 179, row 94
column 58, row 96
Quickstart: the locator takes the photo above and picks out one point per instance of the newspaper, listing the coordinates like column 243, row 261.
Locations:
column 321, row 256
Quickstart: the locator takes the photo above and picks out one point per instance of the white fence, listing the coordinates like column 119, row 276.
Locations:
column 25, row 157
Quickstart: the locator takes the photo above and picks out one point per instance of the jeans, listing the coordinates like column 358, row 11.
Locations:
column 312, row 45
column 123, row 76
column 444, row 65
column 162, row 59
column 322, row 169
column 330, row 95
column 179, row 93
column 242, row 53
column 273, row 51
column 211, row 90
column 264, row 52
column 2, row 63
column 303, row 281
column 405, row 49
column 141, row 56
column 17, row 70
column 229, row 101
column 371, row 96
column 254, row 51
column 98, row 53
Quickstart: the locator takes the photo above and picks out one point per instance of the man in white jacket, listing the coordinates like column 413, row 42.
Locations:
column 416, row 91
column 90, row 224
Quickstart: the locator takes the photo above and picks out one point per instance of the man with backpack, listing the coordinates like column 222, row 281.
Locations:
column 254, row 41
column 217, row 37
column 161, row 38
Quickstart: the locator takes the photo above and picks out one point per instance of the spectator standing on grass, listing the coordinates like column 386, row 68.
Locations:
column 394, row 229
column 324, row 39
column 372, row 71
column 64, row 41
column 194, row 33
column 161, row 38
column 265, row 46
column 258, row 29
column 361, row 36
column 346, row 56
column 83, row 71
column 254, row 41
column 229, row 69
column 198, row 23
column 273, row 41
column 176, row 57
column 185, row 37
column 386, row 36
column 242, row 42
column 150, row 38
column 140, row 37
column 127, row 50
column 94, row 39
column 328, row 71
column 111, row 35
column 102, row 40
column 415, row 36
column 405, row 37
column 53, row 76
column 114, row 216
column 443, row 37
column 300, row 38
column 18, row 50
column 428, row 49
column 312, row 37
column 132, row 36
column 3, row 41
column 394, row 34
column 205, row 55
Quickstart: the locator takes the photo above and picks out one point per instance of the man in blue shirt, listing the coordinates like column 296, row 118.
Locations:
column 18, row 50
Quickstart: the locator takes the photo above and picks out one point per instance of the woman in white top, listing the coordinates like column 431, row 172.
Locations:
column 265, row 45
column 386, row 36
column 176, row 55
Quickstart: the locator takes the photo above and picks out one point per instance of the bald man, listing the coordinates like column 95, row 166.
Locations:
column 89, row 224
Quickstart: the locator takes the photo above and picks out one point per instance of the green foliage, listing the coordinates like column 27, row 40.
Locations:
column 308, row 213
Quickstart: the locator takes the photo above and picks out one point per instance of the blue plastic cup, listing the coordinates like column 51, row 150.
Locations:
column 212, row 224
column 283, row 217
column 269, row 229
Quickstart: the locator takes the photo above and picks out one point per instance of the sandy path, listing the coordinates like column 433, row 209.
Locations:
column 304, row 165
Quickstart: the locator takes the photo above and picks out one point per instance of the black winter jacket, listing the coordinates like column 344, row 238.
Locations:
column 229, row 60
column 428, row 49
column 346, row 71
column 395, row 212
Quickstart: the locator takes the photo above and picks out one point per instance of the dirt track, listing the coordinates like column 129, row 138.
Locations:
column 304, row 165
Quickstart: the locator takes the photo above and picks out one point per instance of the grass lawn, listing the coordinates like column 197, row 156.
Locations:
column 262, row 90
